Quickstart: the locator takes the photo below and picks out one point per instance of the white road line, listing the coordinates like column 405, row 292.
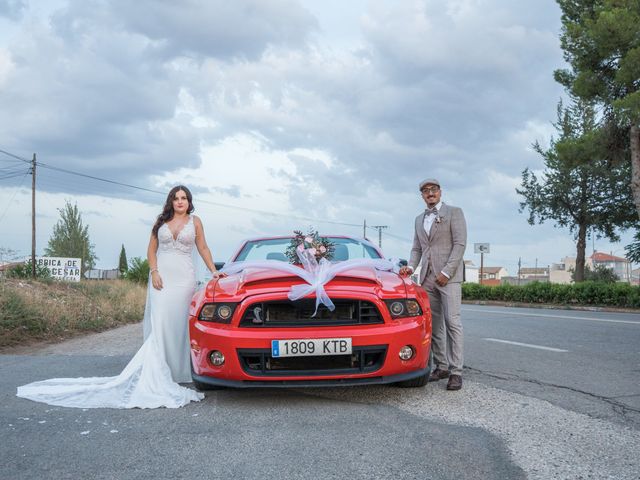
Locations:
column 605, row 320
column 539, row 347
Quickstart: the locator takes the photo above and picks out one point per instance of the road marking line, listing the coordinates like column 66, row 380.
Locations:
column 630, row 322
column 540, row 347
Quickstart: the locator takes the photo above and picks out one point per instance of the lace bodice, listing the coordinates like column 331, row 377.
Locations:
column 182, row 243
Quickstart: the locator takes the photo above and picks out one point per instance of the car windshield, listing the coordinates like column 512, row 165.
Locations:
column 275, row 248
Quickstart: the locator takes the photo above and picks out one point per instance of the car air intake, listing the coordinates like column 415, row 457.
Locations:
column 259, row 362
column 284, row 313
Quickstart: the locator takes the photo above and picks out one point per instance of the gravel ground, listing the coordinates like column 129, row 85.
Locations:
column 546, row 441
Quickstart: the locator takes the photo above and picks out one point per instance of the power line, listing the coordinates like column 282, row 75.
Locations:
column 217, row 204
column 15, row 156
column 13, row 196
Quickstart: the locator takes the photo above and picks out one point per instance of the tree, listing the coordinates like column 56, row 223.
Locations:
column 633, row 250
column 590, row 194
column 122, row 264
column 70, row 238
column 601, row 42
column 599, row 274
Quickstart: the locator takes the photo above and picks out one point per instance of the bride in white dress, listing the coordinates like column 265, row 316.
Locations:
column 151, row 378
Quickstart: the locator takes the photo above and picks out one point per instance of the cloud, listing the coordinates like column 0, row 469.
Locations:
column 13, row 9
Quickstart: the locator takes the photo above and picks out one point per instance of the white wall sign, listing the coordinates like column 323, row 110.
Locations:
column 60, row 268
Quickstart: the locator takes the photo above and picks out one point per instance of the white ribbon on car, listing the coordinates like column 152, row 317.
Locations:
column 315, row 274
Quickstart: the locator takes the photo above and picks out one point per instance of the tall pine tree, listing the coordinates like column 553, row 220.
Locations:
column 122, row 264
column 601, row 43
column 580, row 188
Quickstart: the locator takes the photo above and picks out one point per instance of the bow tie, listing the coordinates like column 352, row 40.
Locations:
column 431, row 211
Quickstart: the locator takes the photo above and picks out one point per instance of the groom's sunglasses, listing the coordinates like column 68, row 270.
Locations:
column 430, row 189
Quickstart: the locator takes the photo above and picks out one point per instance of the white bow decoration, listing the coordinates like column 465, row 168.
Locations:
column 315, row 274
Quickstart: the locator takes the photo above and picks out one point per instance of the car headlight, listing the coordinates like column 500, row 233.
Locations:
column 217, row 312
column 403, row 308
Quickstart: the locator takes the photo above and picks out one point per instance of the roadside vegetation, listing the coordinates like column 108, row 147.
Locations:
column 47, row 310
column 589, row 293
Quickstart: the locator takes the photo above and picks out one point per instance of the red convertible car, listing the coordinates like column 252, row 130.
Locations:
column 246, row 332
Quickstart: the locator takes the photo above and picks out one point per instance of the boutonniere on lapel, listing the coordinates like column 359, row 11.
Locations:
column 438, row 219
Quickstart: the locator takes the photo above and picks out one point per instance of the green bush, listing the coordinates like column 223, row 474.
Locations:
column 23, row 270
column 584, row 293
column 138, row 271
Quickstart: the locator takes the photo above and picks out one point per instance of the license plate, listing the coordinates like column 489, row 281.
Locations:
column 307, row 348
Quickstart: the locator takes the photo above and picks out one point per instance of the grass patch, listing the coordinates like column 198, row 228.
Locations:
column 52, row 311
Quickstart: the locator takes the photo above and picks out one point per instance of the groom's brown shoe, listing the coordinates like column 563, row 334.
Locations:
column 438, row 374
column 455, row 382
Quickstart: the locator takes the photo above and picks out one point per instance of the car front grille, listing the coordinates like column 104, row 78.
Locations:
column 284, row 313
column 259, row 362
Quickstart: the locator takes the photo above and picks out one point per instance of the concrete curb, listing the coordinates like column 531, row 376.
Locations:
column 587, row 308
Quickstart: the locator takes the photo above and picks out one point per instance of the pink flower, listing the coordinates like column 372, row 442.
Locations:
column 323, row 249
column 308, row 239
column 300, row 248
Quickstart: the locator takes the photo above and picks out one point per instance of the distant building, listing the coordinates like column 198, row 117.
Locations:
column 563, row 271
column 635, row 276
column 471, row 272
column 100, row 274
column 5, row 267
column 493, row 275
column 621, row 266
column 539, row 273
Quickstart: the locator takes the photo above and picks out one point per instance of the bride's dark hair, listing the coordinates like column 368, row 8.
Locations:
column 167, row 211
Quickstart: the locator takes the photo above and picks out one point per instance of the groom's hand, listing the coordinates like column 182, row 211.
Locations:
column 442, row 279
column 405, row 271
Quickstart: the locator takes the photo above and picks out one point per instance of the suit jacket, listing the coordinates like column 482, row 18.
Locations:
column 441, row 250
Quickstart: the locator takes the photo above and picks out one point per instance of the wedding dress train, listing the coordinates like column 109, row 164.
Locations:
column 150, row 379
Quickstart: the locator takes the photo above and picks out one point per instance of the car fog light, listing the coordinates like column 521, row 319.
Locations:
column 397, row 308
column 217, row 358
column 406, row 353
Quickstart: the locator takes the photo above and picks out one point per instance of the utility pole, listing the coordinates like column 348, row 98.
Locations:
column 380, row 228
column 364, row 229
column 33, row 216
column 519, row 265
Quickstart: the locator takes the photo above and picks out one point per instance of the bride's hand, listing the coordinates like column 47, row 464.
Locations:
column 216, row 274
column 156, row 280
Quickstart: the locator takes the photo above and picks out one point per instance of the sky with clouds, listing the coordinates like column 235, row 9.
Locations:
column 279, row 115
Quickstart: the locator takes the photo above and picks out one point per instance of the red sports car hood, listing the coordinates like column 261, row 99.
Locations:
column 262, row 280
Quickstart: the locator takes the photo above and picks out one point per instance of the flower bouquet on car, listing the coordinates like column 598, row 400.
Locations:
column 310, row 248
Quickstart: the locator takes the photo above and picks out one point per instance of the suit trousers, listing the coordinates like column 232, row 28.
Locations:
column 447, row 339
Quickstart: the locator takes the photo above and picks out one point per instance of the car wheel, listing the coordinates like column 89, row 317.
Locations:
column 420, row 381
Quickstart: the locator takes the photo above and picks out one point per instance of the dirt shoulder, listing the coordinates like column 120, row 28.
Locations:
column 123, row 340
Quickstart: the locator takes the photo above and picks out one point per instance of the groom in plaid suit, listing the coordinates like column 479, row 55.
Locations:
column 438, row 247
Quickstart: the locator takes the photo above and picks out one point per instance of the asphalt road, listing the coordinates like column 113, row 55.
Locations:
column 511, row 420
column 588, row 362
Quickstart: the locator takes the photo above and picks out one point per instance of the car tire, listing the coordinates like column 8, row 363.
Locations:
column 420, row 381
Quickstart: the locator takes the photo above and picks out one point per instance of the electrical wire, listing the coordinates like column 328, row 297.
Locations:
column 217, row 204
column 12, row 197
column 15, row 156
